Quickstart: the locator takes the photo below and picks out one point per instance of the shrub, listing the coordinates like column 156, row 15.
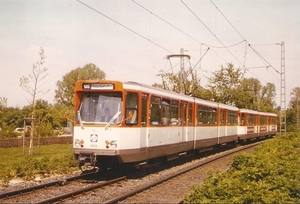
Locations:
column 270, row 175
column 52, row 159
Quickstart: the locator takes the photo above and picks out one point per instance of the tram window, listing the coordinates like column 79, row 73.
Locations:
column 232, row 117
column 214, row 116
column 155, row 99
column 251, row 119
column 201, row 115
column 174, row 112
column 93, row 105
column 242, row 122
column 206, row 115
column 165, row 113
column 270, row 121
column 131, row 108
column 274, row 120
column 155, row 110
column 263, row 120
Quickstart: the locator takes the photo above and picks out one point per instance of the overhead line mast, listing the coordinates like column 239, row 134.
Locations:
column 182, row 69
column 282, row 92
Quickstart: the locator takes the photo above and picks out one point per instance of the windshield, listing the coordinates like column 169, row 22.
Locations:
column 100, row 108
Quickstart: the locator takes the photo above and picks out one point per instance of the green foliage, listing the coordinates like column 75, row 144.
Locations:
column 185, row 81
column 10, row 119
column 65, row 88
column 51, row 119
column 248, row 94
column 51, row 159
column 270, row 175
column 293, row 113
column 224, row 84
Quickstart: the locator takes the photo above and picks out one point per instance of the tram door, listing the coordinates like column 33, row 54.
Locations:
column 183, row 118
column 144, row 121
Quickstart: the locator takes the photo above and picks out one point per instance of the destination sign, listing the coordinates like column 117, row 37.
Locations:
column 98, row 86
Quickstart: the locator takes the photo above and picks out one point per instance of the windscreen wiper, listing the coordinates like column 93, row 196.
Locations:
column 112, row 119
column 79, row 116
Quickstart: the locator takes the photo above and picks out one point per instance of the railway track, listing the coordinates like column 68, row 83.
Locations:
column 172, row 188
column 168, row 186
column 36, row 192
column 80, row 191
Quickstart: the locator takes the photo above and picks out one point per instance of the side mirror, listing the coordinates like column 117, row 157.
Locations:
column 130, row 115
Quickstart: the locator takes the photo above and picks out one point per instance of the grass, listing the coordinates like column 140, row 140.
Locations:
column 45, row 161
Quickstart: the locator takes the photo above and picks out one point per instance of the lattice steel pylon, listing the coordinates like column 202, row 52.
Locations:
column 182, row 68
column 282, row 92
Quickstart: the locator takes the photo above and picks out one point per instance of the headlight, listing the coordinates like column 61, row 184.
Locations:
column 78, row 143
column 111, row 144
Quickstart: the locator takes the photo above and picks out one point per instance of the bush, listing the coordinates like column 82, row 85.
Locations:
column 270, row 175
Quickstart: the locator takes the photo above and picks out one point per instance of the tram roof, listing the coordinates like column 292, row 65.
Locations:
column 167, row 93
column 157, row 91
column 243, row 110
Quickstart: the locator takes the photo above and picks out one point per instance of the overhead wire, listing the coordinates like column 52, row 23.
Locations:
column 260, row 56
column 200, row 58
column 233, row 28
column 228, row 20
column 228, row 46
column 120, row 24
column 264, row 59
column 219, row 55
column 210, row 31
column 166, row 21
column 180, row 30
column 244, row 38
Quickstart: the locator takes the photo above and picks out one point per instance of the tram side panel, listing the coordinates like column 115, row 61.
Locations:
column 228, row 119
column 272, row 124
column 163, row 141
column 206, row 136
column 228, row 134
column 248, row 128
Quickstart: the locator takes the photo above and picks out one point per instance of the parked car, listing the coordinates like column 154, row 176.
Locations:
column 20, row 131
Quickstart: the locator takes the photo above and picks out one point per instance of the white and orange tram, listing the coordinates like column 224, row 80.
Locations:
column 254, row 124
column 119, row 123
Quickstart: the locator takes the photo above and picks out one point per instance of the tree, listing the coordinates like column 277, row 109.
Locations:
column 52, row 117
column 293, row 113
column 31, row 84
column 185, row 82
column 224, row 84
column 3, row 101
column 248, row 94
column 268, row 94
column 10, row 119
column 65, row 88
column 295, row 94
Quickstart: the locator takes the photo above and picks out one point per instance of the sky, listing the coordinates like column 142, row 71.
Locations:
column 130, row 39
